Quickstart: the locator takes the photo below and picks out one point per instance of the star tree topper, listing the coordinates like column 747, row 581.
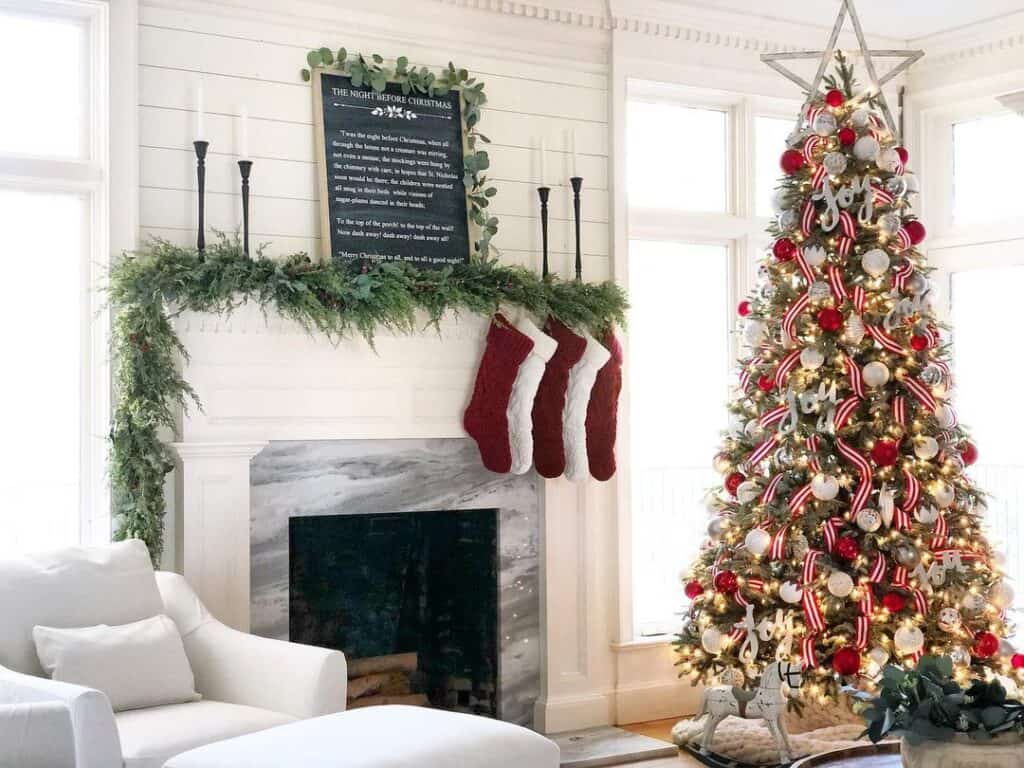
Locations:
column 875, row 87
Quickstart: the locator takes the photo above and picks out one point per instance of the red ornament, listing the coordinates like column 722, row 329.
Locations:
column 1017, row 661
column 919, row 343
column 846, row 661
column 830, row 319
column 985, row 645
column 784, row 249
column 727, row 583
column 792, row 161
column 835, row 98
column 969, row 453
column 894, row 602
column 847, row 548
column 915, row 231
column 744, row 308
column 904, row 155
column 885, row 453
column 694, row 590
column 766, row 383
column 847, row 136
column 732, row 482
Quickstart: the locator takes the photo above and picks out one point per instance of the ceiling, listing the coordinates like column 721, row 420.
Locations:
column 901, row 19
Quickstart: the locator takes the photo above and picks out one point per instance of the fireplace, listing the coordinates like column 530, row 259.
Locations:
column 410, row 597
column 318, row 509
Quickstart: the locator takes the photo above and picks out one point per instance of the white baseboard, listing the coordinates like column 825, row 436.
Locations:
column 655, row 701
column 571, row 713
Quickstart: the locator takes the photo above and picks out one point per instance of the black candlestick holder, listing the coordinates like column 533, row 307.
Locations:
column 577, row 187
column 544, row 193
column 201, row 147
column 245, row 168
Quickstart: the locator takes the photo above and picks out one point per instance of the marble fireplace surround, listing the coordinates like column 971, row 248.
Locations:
column 352, row 477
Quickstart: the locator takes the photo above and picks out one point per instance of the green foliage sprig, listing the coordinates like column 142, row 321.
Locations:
column 373, row 73
column 928, row 704
column 149, row 287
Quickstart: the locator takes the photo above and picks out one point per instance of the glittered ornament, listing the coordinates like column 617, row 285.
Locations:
column 788, row 220
column 847, row 548
column 959, row 655
column 861, row 118
column 926, row 514
column 811, row 359
column 835, row 98
column 840, row 584
column 946, row 416
column 825, row 124
column 885, row 453
column 949, row 620
column 894, row 602
column 1001, row 595
column 732, row 677
column 972, row 602
column 889, row 224
column 846, row 661
column 897, row 186
column 726, row 582
column 876, row 374
column 830, row 319
column 855, row 331
column 835, row 163
column 753, row 429
column 819, row 291
column 919, row 343
column 985, row 645
column 931, row 375
column 768, row 291
column 748, row 491
column 753, row 332
column 917, row 284
column 908, row 555
column 878, row 655
column 721, row 463
column 815, row 255
column 908, row 640
column 792, row 161
column 875, row 262
column 716, row 528
column 757, row 541
column 743, row 309
column 732, row 482
column 943, row 493
column 913, row 183
column 847, row 136
column 790, row 592
column 824, row 487
column 779, row 200
column 694, row 589
column 784, row 249
column 866, row 148
column 798, row 545
column 1017, row 661
column 888, row 160
column 712, row 640
column 766, row 383
column 915, row 231
column 969, row 453
column 869, row 520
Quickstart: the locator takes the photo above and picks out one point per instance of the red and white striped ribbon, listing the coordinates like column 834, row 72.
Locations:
column 903, row 272
column 911, row 490
column 830, row 529
column 856, row 377
column 863, row 626
column 777, row 549
column 881, row 195
column 845, row 246
column 763, row 451
column 786, row 366
column 883, row 339
column 900, row 519
column 932, row 334
column 813, row 442
column 799, row 499
column 845, row 410
column 818, row 177
column 810, row 564
column 805, row 268
column 774, row 416
column 813, row 110
column 899, row 409
column 740, row 599
column 860, row 498
column 940, row 536
column 859, row 298
column 899, row 576
column 771, row 489
column 920, row 602
column 810, row 145
column 921, row 392
column 807, row 653
column 756, row 585
column 808, row 217
column 903, row 241
column 835, row 279
column 737, row 635
column 747, row 371
column 915, row 656
column 867, row 603
column 965, row 554
column 718, row 562
column 877, row 573
column 789, row 319
column 813, row 617
column 848, row 225
column 875, row 120
column 900, row 167
column 943, row 366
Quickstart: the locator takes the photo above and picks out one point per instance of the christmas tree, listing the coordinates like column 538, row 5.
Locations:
column 846, row 533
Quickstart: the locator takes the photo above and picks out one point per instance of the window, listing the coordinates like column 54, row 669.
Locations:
column 982, row 192
column 52, row 214
column 770, row 135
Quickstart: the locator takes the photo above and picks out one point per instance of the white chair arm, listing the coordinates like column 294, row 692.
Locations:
column 36, row 735
column 235, row 667
column 95, row 742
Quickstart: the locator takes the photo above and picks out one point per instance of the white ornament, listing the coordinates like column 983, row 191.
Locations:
column 712, row 640
column 758, row 541
column 812, row 359
column 824, row 487
column 875, row 262
column 753, row 429
column 913, row 184
column 926, row 514
column 908, row 640
column 876, row 374
column 949, row 620
column 1006, row 649
column 840, row 584
column 866, row 148
column 888, row 160
column 897, row 185
column 959, row 655
column 943, row 493
column 779, row 200
column 926, row 447
column 1001, row 595
column 747, row 491
column 973, row 602
column 788, row 220
column 825, row 124
column 722, row 464
column 732, row 676
column 853, row 333
column 917, row 284
column 889, row 224
column 753, row 332
column 887, row 504
column 861, row 118
column 716, row 527
column 815, row 255
column 946, row 416
column 790, row 592
column 869, row 520
column 819, row 291
column 835, row 163
column 878, row 655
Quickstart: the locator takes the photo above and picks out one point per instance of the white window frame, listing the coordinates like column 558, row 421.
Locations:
column 88, row 177
column 738, row 228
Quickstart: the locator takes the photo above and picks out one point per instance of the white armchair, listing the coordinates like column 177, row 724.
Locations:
column 248, row 683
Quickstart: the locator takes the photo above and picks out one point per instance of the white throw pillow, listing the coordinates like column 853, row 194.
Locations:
column 137, row 665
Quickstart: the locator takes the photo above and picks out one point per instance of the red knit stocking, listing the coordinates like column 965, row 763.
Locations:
column 603, row 411
column 548, row 449
column 486, row 418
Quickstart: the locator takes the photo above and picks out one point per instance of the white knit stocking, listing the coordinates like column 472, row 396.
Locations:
column 524, row 390
column 574, row 417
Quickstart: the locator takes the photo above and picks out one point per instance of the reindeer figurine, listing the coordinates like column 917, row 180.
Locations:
column 766, row 702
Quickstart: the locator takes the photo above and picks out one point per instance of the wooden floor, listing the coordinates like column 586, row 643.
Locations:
column 660, row 729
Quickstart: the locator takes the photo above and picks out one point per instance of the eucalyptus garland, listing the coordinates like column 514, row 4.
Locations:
column 371, row 71
column 149, row 287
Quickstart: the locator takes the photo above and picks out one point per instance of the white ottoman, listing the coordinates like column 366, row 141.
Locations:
column 381, row 737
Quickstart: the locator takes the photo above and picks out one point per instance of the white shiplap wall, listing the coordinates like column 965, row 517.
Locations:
column 256, row 65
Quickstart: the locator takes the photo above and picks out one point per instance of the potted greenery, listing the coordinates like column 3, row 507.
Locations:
column 944, row 725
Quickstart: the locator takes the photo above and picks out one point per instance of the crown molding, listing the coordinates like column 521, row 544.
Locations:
column 990, row 38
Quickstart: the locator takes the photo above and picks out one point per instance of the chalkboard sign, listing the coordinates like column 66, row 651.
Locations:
column 391, row 170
